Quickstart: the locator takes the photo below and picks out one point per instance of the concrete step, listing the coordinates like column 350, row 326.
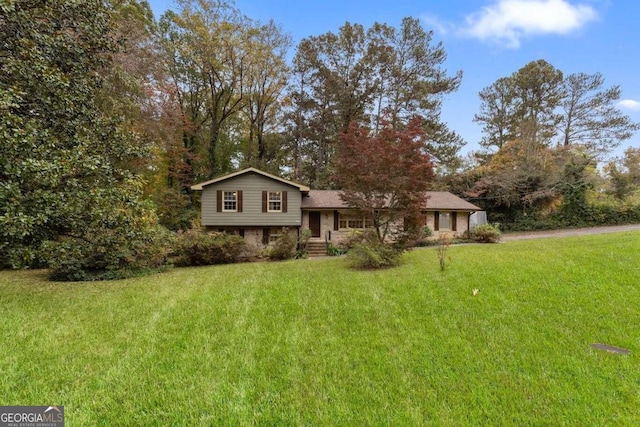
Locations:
column 316, row 248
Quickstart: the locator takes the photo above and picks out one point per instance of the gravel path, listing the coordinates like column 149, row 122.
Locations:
column 571, row 232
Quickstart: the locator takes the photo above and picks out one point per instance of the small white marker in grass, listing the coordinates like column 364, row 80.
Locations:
column 475, row 292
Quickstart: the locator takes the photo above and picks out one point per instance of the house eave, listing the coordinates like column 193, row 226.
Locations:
column 202, row 185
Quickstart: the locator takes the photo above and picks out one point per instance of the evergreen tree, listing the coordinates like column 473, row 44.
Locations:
column 66, row 163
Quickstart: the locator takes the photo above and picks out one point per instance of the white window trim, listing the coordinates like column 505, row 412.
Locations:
column 347, row 218
column 269, row 201
column 224, row 201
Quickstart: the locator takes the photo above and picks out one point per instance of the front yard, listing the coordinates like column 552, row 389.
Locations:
column 311, row 342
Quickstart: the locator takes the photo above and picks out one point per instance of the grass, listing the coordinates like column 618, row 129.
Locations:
column 311, row 342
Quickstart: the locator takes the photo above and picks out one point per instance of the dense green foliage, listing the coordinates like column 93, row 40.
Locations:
column 316, row 343
column 366, row 76
column 369, row 252
column 284, row 247
column 550, row 131
column 129, row 242
column 68, row 166
column 196, row 247
column 485, row 233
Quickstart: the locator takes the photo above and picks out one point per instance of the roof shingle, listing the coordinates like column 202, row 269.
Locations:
column 436, row 200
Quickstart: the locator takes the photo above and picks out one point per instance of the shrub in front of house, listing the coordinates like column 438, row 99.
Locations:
column 106, row 254
column 283, row 248
column 485, row 233
column 303, row 240
column 424, row 237
column 195, row 247
column 371, row 254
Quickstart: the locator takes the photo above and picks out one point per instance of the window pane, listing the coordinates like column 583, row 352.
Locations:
column 275, row 201
column 230, row 201
column 445, row 221
column 355, row 223
column 275, row 234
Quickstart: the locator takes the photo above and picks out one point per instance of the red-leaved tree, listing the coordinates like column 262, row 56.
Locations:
column 384, row 175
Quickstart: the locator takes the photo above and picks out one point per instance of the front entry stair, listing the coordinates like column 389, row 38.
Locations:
column 316, row 248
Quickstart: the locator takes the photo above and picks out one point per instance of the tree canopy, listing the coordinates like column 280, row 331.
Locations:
column 364, row 75
column 384, row 174
column 538, row 102
column 67, row 165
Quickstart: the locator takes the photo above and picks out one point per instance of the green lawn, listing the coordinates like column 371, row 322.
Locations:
column 311, row 342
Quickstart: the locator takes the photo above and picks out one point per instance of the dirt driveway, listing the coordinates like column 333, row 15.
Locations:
column 571, row 232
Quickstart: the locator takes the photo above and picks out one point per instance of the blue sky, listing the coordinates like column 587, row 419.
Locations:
column 487, row 39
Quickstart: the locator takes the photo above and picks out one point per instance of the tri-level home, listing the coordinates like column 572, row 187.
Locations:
column 258, row 206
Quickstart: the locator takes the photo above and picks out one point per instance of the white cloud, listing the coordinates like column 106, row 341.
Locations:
column 508, row 21
column 436, row 24
column 630, row 104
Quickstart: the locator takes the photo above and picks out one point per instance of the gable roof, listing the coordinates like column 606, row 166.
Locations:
column 436, row 200
column 201, row 185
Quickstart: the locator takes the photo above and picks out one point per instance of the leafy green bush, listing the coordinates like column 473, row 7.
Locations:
column 195, row 247
column 372, row 254
column 333, row 250
column 355, row 237
column 303, row 239
column 107, row 254
column 426, row 232
column 284, row 247
column 423, row 237
column 485, row 233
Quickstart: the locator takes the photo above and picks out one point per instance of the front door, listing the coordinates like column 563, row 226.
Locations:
column 314, row 223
